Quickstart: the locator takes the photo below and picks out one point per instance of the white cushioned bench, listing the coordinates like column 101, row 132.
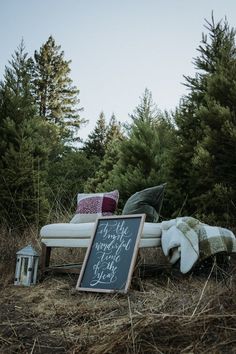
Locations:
column 79, row 235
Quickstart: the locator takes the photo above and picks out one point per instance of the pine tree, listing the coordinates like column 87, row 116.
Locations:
column 204, row 162
column 56, row 97
column 95, row 144
column 146, row 111
column 113, row 137
column 141, row 155
column 114, row 131
column 25, row 142
column 67, row 177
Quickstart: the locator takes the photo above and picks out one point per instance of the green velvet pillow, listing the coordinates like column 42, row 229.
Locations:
column 147, row 201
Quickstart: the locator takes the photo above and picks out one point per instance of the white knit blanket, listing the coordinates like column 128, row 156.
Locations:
column 190, row 240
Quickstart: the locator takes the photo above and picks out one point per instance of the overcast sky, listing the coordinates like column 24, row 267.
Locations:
column 117, row 47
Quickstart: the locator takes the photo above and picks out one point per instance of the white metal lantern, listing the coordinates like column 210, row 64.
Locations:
column 26, row 266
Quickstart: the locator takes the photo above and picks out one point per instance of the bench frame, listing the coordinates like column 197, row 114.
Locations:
column 49, row 242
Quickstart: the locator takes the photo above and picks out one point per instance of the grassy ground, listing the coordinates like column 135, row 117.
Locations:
column 163, row 312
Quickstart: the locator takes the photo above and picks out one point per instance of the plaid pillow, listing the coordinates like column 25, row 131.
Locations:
column 91, row 206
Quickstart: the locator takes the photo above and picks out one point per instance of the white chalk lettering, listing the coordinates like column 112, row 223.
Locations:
column 113, row 242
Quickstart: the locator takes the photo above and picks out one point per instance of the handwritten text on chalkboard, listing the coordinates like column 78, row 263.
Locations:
column 115, row 242
column 109, row 253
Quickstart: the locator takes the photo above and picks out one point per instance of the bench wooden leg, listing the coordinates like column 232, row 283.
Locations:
column 45, row 258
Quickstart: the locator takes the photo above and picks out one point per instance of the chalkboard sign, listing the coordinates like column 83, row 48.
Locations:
column 111, row 255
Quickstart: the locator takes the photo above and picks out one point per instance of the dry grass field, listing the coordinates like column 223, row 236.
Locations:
column 163, row 312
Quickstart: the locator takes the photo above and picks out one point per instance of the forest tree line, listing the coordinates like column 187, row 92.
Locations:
column 192, row 149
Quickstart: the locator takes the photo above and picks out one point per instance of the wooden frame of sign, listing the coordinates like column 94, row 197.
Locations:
column 110, row 258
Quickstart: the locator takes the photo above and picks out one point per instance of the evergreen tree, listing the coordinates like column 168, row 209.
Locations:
column 23, row 146
column 101, row 180
column 146, row 111
column 111, row 141
column 67, row 176
column 56, row 97
column 114, row 131
column 204, row 161
column 141, row 156
column 95, row 144
column 17, row 85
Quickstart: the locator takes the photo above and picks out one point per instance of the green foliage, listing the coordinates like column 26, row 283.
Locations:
column 100, row 181
column 203, row 164
column 114, row 131
column 140, row 158
column 98, row 140
column 23, row 191
column 95, row 144
column 23, row 147
column 38, row 116
column 56, row 97
column 196, row 156
column 103, row 147
column 67, row 176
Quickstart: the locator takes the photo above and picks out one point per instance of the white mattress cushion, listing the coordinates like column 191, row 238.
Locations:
column 86, row 230
column 67, row 230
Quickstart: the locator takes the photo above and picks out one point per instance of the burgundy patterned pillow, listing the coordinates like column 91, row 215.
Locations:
column 92, row 205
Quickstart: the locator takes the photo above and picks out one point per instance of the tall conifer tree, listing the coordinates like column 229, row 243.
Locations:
column 56, row 97
column 23, row 146
column 113, row 138
column 204, row 162
column 94, row 146
column 141, row 155
column 114, row 131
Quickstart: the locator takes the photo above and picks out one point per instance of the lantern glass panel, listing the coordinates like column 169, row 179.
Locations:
column 32, row 271
column 24, row 268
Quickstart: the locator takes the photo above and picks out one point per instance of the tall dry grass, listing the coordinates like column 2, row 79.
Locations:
column 12, row 241
column 163, row 312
